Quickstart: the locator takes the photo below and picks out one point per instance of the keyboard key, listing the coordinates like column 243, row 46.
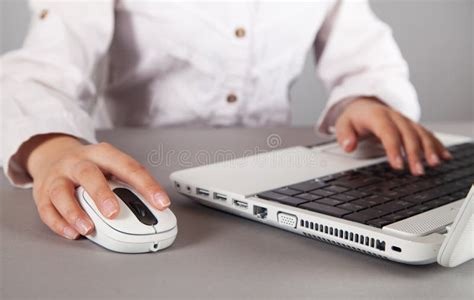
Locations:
column 389, row 207
column 271, row 196
column 448, row 199
column 325, row 209
column 422, row 197
column 392, row 194
column 351, row 206
column 343, row 197
column 322, row 193
column 329, row 201
column 373, row 213
column 394, row 217
column 362, row 203
column 357, row 217
column 281, row 198
column 410, row 189
column 287, row 191
column 460, row 195
column 379, row 223
column 421, row 208
column 336, row 189
column 308, row 186
column 376, row 199
column 394, row 206
column 408, row 213
column 331, row 177
column 309, row 197
column 433, row 203
column 356, row 194
column 354, row 183
column 292, row 201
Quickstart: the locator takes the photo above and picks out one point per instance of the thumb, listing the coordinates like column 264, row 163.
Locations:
column 346, row 134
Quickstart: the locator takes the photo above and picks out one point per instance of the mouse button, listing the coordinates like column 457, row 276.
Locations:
column 124, row 222
column 135, row 204
column 167, row 220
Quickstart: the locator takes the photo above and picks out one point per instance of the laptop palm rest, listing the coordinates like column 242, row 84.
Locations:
column 434, row 220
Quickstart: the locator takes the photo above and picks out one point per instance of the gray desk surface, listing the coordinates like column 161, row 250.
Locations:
column 216, row 255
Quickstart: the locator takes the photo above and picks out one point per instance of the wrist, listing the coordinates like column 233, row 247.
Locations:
column 41, row 150
column 365, row 101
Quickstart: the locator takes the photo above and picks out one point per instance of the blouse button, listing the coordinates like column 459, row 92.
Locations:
column 240, row 32
column 231, row 98
column 43, row 14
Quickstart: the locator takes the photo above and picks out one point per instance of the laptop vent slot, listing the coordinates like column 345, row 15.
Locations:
column 343, row 235
column 342, row 245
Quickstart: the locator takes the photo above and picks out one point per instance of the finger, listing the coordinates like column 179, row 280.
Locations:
column 387, row 132
column 441, row 149
column 92, row 179
column 430, row 148
column 346, row 134
column 411, row 143
column 61, row 194
column 130, row 171
column 50, row 216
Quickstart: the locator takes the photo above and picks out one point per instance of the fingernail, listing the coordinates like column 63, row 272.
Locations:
column 83, row 226
column 346, row 143
column 419, row 169
column 398, row 163
column 69, row 233
column 161, row 200
column 447, row 155
column 434, row 159
column 109, row 208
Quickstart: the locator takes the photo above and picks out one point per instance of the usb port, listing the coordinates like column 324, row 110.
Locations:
column 202, row 192
column 241, row 204
column 221, row 197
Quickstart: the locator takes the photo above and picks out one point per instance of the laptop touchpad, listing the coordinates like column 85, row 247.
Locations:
column 366, row 149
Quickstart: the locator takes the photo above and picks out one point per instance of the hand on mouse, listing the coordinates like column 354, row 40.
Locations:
column 366, row 116
column 59, row 163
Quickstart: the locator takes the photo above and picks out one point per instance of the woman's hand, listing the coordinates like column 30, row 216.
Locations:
column 365, row 116
column 60, row 163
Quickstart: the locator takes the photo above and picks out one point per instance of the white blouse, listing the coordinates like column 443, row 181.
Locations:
column 88, row 64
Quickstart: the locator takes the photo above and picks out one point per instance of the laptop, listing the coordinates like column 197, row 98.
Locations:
column 354, row 201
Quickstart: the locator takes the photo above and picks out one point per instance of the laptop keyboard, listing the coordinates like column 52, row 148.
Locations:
column 377, row 195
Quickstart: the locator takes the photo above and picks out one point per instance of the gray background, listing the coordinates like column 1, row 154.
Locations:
column 216, row 255
column 436, row 38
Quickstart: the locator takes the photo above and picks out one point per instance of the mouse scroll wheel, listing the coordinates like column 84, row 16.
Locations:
column 139, row 208
column 143, row 214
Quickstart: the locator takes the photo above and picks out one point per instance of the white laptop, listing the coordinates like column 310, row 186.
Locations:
column 354, row 201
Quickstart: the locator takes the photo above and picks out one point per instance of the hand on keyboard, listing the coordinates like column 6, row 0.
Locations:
column 376, row 195
column 368, row 116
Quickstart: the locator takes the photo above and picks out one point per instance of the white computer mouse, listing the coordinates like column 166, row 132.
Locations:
column 138, row 228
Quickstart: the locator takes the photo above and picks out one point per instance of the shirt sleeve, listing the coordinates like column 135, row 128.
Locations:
column 48, row 86
column 358, row 56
